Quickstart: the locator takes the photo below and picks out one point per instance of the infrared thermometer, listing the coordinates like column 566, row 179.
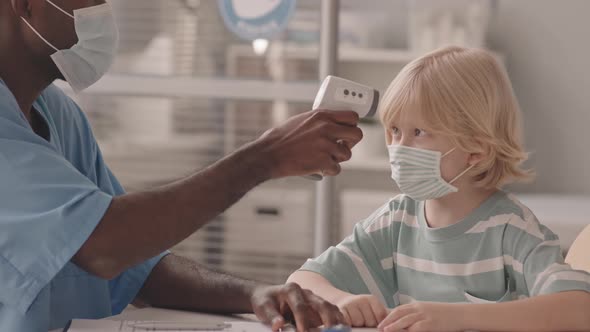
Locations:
column 339, row 94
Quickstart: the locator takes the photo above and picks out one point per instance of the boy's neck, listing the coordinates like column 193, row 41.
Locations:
column 454, row 207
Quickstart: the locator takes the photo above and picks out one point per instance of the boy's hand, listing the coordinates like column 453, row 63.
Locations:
column 423, row 316
column 362, row 310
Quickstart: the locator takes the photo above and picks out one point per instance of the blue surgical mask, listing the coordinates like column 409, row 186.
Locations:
column 417, row 172
column 86, row 62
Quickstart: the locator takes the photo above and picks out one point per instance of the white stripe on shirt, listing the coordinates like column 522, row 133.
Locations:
column 423, row 265
column 387, row 220
column 540, row 280
column 565, row 276
column 363, row 270
column 494, row 221
column 516, row 265
column 529, row 224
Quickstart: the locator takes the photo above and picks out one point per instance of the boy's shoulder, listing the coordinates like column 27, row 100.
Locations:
column 523, row 219
column 399, row 204
column 398, row 209
column 516, row 221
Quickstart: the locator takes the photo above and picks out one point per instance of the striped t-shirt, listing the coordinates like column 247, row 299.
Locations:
column 500, row 252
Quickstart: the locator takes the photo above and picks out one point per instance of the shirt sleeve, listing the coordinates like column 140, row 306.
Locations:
column 538, row 266
column 124, row 288
column 354, row 265
column 546, row 272
column 47, row 211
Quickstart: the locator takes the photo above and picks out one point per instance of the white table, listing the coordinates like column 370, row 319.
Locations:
column 154, row 314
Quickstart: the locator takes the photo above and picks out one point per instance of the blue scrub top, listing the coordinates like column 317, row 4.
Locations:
column 52, row 196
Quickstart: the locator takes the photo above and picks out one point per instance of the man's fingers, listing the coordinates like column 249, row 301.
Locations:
column 268, row 313
column 333, row 170
column 277, row 323
column 340, row 152
column 302, row 311
column 337, row 132
column 347, row 144
column 329, row 313
column 349, row 118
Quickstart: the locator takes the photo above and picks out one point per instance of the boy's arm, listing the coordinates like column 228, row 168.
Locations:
column 350, row 275
column 319, row 285
column 567, row 311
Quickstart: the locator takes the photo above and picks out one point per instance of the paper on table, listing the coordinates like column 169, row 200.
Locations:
column 82, row 325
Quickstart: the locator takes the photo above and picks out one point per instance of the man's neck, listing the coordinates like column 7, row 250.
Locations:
column 455, row 207
column 25, row 76
column 25, row 83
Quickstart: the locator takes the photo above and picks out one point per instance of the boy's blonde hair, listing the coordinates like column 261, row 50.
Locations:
column 464, row 94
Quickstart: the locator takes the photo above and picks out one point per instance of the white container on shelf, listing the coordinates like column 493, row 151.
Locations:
column 271, row 222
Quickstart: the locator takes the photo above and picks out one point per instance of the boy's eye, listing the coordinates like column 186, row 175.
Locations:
column 395, row 131
column 419, row 132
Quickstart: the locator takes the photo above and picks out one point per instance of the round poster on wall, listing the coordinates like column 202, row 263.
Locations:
column 256, row 19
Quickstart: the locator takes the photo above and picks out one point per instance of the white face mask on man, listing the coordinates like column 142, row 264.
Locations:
column 98, row 39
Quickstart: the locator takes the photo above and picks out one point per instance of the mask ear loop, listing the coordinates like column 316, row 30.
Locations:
column 39, row 35
column 448, row 152
column 60, row 9
column 461, row 174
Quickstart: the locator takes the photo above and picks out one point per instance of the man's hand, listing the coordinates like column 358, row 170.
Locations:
column 362, row 310
column 311, row 142
column 275, row 305
column 424, row 316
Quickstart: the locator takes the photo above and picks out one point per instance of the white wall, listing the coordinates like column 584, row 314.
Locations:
column 546, row 44
column 547, row 48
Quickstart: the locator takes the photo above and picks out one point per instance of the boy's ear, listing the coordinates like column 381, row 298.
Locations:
column 387, row 136
column 476, row 158
column 483, row 153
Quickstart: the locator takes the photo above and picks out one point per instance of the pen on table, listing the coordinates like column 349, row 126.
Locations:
column 171, row 326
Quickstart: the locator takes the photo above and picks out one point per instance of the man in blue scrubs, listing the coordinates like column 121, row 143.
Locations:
column 73, row 244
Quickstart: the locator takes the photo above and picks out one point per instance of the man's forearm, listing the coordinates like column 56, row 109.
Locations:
column 179, row 283
column 140, row 225
column 568, row 311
